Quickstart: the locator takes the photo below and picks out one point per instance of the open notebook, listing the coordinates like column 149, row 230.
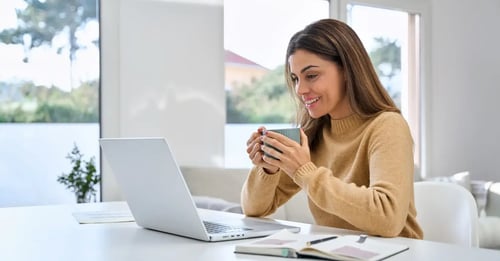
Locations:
column 331, row 247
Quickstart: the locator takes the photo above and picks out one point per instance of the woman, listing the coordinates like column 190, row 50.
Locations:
column 355, row 160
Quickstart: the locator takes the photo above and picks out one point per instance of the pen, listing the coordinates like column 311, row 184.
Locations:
column 320, row 240
column 362, row 238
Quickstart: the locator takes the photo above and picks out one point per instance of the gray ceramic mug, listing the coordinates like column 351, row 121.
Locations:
column 292, row 133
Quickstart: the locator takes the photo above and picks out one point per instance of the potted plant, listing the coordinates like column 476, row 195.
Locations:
column 82, row 178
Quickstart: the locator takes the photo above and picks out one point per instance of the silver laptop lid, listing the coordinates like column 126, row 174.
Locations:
column 151, row 182
column 159, row 198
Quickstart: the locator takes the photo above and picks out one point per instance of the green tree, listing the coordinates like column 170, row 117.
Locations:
column 43, row 104
column 41, row 21
column 386, row 59
column 266, row 100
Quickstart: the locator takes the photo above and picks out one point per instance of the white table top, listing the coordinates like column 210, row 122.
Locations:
column 52, row 233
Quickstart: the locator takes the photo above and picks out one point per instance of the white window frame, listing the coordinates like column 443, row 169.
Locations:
column 417, row 87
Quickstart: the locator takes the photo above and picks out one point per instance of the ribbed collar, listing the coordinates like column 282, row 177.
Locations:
column 346, row 124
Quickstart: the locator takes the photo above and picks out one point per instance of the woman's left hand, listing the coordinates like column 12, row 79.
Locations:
column 293, row 154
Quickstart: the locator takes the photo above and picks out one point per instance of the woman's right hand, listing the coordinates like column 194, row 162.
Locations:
column 255, row 153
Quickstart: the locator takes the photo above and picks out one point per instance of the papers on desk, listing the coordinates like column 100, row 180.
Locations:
column 331, row 247
column 95, row 217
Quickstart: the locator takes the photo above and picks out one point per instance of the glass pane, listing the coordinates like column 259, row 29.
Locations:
column 256, row 35
column 392, row 41
column 49, row 96
column 384, row 33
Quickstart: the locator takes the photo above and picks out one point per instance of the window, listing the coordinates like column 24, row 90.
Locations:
column 255, row 49
column 391, row 38
column 256, row 35
column 49, row 96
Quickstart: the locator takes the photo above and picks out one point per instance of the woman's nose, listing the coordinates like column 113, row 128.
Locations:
column 300, row 89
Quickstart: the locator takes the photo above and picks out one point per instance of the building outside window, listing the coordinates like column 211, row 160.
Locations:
column 256, row 35
column 49, row 80
column 259, row 95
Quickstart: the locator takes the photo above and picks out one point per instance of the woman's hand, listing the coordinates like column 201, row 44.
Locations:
column 292, row 156
column 255, row 153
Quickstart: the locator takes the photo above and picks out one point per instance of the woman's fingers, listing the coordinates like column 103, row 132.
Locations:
column 270, row 152
column 285, row 153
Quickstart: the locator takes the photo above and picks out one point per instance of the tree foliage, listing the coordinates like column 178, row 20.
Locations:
column 266, row 100
column 43, row 104
column 41, row 21
column 386, row 57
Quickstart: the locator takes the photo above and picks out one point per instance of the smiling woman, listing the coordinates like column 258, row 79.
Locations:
column 320, row 83
column 255, row 85
column 356, row 148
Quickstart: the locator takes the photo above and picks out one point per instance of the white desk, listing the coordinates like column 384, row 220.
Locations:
column 52, row 233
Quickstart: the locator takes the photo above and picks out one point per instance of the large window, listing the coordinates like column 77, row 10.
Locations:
column 392, row 40
column 256, row 35
column 49, row 96
column 255, row 49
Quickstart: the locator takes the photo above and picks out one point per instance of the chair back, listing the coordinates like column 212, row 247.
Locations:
column 447, row 213
column 492, row 207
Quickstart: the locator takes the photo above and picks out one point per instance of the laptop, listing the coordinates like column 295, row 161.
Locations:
column 159, row 199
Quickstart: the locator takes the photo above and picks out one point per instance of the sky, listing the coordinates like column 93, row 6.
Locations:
column 369, row 22
column 258, row 30
column 45, row 66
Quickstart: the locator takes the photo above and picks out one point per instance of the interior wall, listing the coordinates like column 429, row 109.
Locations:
column 176, row 92
column 462, row 101
column 162, row 75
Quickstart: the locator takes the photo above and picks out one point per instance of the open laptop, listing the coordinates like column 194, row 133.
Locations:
column 159, row 199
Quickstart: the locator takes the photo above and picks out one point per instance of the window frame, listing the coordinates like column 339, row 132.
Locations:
column 417, row 61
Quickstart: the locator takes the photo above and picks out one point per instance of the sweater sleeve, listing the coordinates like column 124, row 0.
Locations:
column 262, row 194
column 382, row 207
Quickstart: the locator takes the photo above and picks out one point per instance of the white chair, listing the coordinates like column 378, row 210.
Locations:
column 447, row 213
column 492, row 207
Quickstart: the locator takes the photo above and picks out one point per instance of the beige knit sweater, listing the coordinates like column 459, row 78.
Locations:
column 360, row 178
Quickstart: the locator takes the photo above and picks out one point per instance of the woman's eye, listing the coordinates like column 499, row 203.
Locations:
column 294, row 79
column 311, row 76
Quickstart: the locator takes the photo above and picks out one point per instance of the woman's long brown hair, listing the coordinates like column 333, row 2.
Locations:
column 335, row 41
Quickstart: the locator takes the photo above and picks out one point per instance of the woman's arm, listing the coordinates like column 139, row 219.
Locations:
column 263, row 193
column 381, row 207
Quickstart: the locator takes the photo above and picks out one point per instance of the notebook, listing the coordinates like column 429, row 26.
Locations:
column 331, row 247
column 159, row 199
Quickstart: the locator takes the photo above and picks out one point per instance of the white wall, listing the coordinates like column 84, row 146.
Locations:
column 462, row 101
column 162, row 72
column 177, row 92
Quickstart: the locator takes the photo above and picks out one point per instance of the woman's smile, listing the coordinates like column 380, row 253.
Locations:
column 310, row 102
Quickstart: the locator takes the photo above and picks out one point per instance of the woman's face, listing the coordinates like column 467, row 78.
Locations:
column 320, row 84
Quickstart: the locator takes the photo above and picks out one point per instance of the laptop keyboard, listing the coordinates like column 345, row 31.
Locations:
column 216, row 228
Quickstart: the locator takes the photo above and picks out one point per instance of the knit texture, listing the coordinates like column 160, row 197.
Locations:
column 360, row 177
